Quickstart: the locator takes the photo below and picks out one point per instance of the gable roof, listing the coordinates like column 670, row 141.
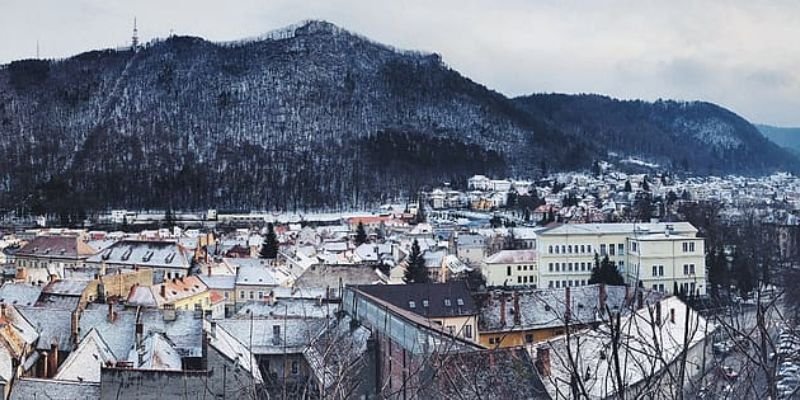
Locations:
column 85, row 362
column 146, row 253
column 56, row 247
column 450, row 299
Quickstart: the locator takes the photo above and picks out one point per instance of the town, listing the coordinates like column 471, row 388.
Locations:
column 600, row 284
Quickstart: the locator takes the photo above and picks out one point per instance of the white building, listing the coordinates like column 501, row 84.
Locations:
column 567, row 254
column 511, row 268
column 479, row 182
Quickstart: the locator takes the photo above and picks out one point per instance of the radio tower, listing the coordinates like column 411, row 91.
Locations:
column 135, row 37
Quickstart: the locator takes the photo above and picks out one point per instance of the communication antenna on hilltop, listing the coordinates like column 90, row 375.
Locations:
column 135, row 37
column 37, row 49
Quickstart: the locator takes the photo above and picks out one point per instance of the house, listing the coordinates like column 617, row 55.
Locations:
column 448, row 305
column 479, row 182
column 17, row 346
column 522, row 317
column 663, row 260
column 185, row 293
column 511, row 268
column 255, row 279
column 166, row 258
column 470, row 247
column 47, row 255
column 655, row 338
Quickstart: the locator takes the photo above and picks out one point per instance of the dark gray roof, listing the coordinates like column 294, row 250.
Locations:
column 31, row 388
column 451, row 299
column 500, row 374
column 259, row 334
column 186, row 331
column 53, row 326
column 19, row 293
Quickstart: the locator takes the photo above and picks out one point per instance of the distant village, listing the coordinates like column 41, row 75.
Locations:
column 478, row 292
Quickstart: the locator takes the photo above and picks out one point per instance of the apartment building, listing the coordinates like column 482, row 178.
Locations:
column 567, row 254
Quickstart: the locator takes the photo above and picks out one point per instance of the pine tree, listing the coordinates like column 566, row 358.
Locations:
column 269, row 248
column 743, row 275
column 605, row 272
column 628, row 187
column 717, row 271
column 645, row 185
column 415, row 268
column 361, row 234
column 169, row 218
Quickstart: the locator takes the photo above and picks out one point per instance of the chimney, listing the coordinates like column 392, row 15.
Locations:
column 139, row 334
column 74, row 326
column 276, row 334
column 543, row 360
column 53, row 359
column 672, row 315
column 502, row 309
column 517, row 318
column 568, row 305
column 164, row 290
column 213, row 330
column 110, row 312
column 658, row 313
column 3, row 310
column 45, row 365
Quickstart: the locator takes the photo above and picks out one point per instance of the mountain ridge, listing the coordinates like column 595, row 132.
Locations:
column 318, row 118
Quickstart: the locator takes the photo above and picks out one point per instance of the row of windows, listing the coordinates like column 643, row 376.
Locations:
column 567, row 283
column 658, row 270
column 426, row 304
column 569, row 267
column 520, row 268
column 605, row 249
column 688, row 247
column 570, row 249
column 467, row 332
column 526, row 279
column 251, row 295
column 688, row 269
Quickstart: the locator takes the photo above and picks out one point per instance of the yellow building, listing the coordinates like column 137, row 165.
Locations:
column 187, row 293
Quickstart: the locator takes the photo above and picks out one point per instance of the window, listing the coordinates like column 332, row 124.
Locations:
column 519, row 267
column 260, row 294
column 633, row 246
column 550, row 267
column 550, row 284
column 569, row 249
column 621, row 265
column 611, row 249
column 425, row 303
column 589, row 248
column 685, row 247
column 570, row 267
column 295, row 368
column 691, row 246
column 557, row 248
column 563, row 283
column 226, row 295
column 558, row 284
column 447, row 303
column 558, row 267
column 412, row 304
column 602, row 249
column 660, row 270
column 251, row 295
column 508, row 270
column 583, row 249
column 276, row 331
column 528, row 338
column 241, row 294
column 691, row 269
column 691, row 287
column 655, row 270
column 550, row 249
column 468, row 331
column 563, row 249
column 655, row 287
column 459, row 301
column 519, row 279
column 686, row 269
column 620, row 249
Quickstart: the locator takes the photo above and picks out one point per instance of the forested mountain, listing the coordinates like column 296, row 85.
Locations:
column 314, row 117
column 692, row 136
column 788, row 138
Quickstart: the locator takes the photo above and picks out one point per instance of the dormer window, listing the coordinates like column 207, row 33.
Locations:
column 447, row 303
column 460, row 301
column 412, row 304
column 425, row 303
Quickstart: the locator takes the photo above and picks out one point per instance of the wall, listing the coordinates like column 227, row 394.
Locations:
column 117, row 285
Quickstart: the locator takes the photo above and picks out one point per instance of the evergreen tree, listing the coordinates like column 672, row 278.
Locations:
column 596, row 170
column 628, row 187
column 415, row 268
column 420, row 217
column 605, row 272
column 361, row 234
column 645, row 185
column 743, row 275
column 169, row 218
column 717, row 272
column 269, row 248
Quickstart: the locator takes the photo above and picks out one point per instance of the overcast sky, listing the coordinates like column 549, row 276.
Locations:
column 742, row 54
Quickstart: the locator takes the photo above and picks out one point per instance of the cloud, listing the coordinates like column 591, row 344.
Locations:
column 739, row 53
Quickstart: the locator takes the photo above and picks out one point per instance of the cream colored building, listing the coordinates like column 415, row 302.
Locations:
column 660, row 260
column 511, row 268
column 567, row 253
